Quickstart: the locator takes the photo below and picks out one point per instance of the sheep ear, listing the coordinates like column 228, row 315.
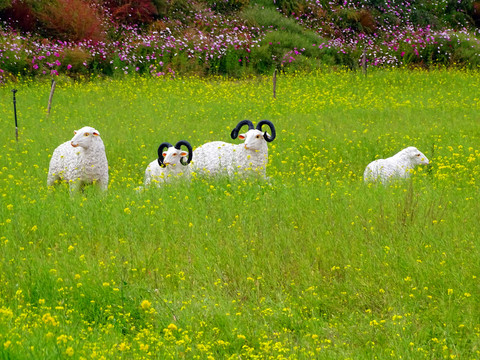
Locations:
column 241, row 136
column 183, row 153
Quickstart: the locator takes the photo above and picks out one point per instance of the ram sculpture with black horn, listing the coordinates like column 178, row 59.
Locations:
column 172, row 163
column 249, row 157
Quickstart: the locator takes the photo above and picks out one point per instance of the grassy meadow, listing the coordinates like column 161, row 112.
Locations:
column 311, row 264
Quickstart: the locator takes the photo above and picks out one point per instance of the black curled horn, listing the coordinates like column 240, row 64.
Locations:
column 160, row 153
column 179, row 144
column 237, row 128
column 272, row 129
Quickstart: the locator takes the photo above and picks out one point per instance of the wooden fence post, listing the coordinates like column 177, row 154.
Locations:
column 52, row 90
column 275, row 84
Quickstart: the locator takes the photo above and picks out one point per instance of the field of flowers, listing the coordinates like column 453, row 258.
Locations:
column 312, row 263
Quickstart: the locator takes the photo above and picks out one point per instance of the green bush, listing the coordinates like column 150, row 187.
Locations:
column 459, row 19
column 291, row 6
column 466, row 54
column 235, row 63
column 270, row 18
column 5, row 3
column 455, row 51
column 437, row 14
column 227, row 6
column 76, row 58
column 262, row 60
column 283, row 49
column 286, row 46
column 173, row 9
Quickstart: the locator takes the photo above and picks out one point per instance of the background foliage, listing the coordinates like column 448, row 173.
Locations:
column 235, row 38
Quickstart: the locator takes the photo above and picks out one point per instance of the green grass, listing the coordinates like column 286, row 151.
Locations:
column 312, row 263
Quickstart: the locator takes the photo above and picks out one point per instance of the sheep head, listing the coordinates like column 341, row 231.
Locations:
column 255, row 137
column 85, row 137
column 174, row 155
column 415, row 156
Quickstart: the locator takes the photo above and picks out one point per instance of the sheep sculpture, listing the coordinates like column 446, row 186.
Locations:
column 170, row 164
column 400, row 165
column 218, row 157
column 80, row 161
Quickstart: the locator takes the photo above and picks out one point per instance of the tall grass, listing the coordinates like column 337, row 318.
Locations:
column 312, row 263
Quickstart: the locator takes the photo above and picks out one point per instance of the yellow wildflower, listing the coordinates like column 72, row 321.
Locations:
column 145, row 305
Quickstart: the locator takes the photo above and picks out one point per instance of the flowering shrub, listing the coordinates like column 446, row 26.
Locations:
column 135, row 12
column 72, row 20
column 88, row 40
column 156, row 52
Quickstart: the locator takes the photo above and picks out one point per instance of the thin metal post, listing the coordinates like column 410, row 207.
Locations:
column 15, row 113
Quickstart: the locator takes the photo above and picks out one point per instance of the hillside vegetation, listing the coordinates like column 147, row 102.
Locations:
column 235, row 38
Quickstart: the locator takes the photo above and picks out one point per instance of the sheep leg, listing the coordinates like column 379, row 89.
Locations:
column 51, row 179
column 103, row 185
column 55, row 177
column 75, row 185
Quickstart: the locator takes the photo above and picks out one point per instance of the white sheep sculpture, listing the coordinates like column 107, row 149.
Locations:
column 80, row 161
column 171, row 163
column 400, row 165
column 218, row 157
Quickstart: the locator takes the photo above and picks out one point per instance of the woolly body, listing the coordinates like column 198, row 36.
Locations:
column 218, row 157
column 173, row 169
column 80, row 161
column 400, row 165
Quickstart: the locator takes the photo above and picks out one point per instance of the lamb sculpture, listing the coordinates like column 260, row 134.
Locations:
column 218, row 157
column 168, row 165
column 80, row 161
column 400, row 165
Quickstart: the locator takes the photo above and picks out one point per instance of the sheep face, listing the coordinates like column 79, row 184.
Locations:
column 172, row 156
column 254, row 139
column 416, row 156
column 84, row 137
